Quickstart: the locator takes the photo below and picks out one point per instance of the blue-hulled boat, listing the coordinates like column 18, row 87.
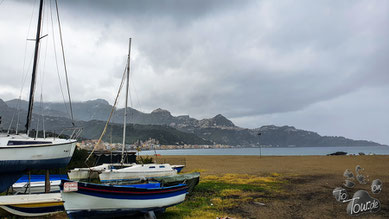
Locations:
column 87, row 199
column 37, row 183
column 19, row 152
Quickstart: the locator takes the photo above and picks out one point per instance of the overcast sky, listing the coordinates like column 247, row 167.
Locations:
column 316, row 65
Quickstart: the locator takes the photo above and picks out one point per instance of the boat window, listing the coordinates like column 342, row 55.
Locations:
column 152, row 167
column 27, row 142
column 161, row 166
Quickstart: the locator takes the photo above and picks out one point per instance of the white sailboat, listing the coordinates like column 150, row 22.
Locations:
column 78, row 174
column 122, row 171
column 19, row 153
column 137, row 172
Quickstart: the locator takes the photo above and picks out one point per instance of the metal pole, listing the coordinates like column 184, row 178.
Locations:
column 32, row 88
column 125, row 108
column 260, row 147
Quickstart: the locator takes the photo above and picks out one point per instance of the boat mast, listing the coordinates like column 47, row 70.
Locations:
column 32, row 88
column 125, row 108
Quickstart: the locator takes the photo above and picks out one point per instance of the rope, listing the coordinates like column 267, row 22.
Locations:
column 64, row 63
column 109, row 118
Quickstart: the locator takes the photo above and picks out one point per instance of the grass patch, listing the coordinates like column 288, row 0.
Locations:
column 217, row 196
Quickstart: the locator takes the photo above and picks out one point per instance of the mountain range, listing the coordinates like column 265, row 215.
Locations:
column 168, row 129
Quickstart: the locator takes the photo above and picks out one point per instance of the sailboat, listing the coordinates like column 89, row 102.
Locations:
column 111, row 172
column 83, row 199
column 19, row 153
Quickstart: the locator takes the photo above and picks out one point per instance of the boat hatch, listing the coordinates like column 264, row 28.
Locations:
column 27, row 142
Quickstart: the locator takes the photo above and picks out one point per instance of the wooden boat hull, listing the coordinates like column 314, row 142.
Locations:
column 31, row 205
column 90, row 199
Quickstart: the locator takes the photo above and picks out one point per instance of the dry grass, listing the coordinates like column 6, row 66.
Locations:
column 289, row 187
column 293, row 186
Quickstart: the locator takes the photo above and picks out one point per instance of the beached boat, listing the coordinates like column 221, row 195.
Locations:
column 93, row 172
column 136, row 172
column 178, row 168
column 31, row 205
column 86, row 199
column 36, row 184
column 190, row 179
column 78, row 174
column 21, row 152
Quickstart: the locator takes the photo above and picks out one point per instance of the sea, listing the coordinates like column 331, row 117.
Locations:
column 278, row 151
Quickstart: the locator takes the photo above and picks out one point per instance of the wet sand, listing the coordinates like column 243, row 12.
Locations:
column 310, row 180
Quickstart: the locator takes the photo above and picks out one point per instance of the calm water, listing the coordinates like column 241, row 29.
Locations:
column 273, row 151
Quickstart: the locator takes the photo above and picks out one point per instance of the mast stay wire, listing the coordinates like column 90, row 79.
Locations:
column 24, row 75
column 110, row 116
column 56, row 61
column 64, row 62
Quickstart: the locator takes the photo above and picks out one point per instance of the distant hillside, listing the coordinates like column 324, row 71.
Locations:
column 164, row 134
column 160, row 124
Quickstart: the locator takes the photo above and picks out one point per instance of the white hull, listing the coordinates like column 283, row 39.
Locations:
column 34, row 156
column 27, row 205
column 74, row 201
column 21, row 153
column 137, row 172
column 78, row 174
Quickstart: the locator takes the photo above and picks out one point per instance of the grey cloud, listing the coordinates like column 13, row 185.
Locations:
column 244, row 59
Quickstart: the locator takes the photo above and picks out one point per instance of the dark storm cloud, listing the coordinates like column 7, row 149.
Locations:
column 254, row 61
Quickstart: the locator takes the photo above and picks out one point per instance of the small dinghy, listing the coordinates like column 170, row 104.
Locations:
column 83, row 199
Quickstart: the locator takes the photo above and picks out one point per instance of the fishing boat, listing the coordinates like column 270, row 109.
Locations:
column 36, row 184
column 137, row 172
column 19, row 153
column 31, row 205
column 83, row 199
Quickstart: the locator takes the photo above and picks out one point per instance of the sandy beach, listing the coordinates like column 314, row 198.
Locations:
column 307, row 183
